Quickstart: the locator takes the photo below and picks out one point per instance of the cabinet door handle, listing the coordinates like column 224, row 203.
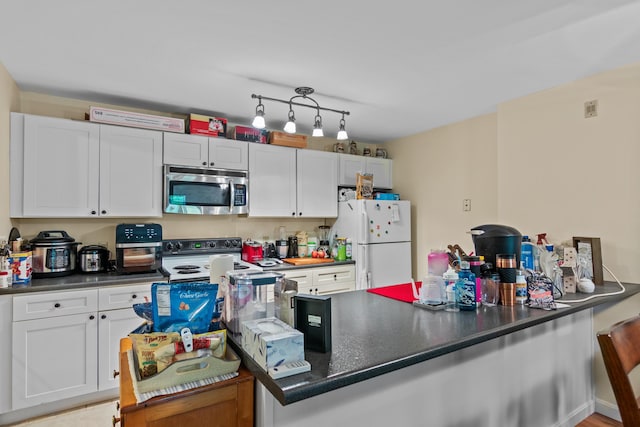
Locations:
column 104, row 316
column 134, row 296
column 93, row 212
column 212, row 164
column 293, row 214
column 204, row 163
column 92, row 317
column 335, row 277
column 57, row 305
column 103, row 212
column 114, row 420
column 118, row 405
column 115, row 373
column 299, row 213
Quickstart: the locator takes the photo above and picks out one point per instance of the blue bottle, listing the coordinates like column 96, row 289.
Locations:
column 527, row 253
column 466, row 287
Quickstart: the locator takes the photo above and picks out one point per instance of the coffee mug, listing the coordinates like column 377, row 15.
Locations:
column 381, row 152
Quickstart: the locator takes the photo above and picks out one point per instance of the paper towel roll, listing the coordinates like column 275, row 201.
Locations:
column 218, row 266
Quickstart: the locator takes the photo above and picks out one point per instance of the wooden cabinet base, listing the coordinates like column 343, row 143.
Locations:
column 224, row 404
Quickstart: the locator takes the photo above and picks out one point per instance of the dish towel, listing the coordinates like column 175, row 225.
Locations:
column 401, row 292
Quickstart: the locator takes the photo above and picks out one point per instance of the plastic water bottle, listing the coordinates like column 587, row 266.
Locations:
column 466, row 287
column 450, row 278
column 527, row 253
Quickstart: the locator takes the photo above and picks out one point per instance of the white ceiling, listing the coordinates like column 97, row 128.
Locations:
column 400, row 68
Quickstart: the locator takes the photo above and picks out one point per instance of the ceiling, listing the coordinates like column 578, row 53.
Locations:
column 400, row 68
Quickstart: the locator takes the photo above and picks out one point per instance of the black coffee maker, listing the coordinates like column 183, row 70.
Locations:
column 492, row 239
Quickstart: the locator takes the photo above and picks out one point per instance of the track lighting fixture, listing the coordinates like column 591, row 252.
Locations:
column 290, row 127
column 258, row 120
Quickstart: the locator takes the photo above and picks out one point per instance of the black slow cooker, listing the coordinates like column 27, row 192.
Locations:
column 93, row 259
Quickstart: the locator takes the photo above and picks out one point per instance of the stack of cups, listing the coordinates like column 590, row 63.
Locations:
column 507, row 269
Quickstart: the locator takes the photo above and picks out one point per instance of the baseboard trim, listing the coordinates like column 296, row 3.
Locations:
column 608, row 409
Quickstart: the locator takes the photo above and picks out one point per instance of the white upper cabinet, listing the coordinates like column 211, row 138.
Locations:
column 201, row 151
column 130, row 172
column 272, row 181
column 59, row 170
column 67, row 168
column 286, row 182
column 317, row 184
column 351, row 164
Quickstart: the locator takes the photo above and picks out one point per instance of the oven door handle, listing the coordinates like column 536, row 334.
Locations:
column 232, row 196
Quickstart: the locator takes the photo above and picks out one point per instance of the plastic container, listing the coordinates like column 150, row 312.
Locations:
column 248, row 297
column 437, row 262
column 349, row 248
column 527, row 253
column 466, row 287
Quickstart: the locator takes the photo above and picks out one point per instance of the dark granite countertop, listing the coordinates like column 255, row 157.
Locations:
column 373, row 335
column 79, row 280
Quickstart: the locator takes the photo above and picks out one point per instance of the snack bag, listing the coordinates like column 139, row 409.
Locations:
column 364, row 186
column 145, row 347
column 183, row 305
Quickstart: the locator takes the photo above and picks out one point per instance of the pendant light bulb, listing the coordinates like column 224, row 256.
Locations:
column 342, row 133
column 290, row 126
column 258, row 120
column 317, row 127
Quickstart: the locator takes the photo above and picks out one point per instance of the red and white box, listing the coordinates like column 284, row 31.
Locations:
column 251, row 134
column 137, row 120
column 207, row 125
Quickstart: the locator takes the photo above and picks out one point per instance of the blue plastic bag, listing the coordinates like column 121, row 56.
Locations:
column 179, row 305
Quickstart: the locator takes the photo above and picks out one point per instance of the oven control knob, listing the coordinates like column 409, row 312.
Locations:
column 178, row 246
column 169, row 246
column 211, row 244
column 227, row 243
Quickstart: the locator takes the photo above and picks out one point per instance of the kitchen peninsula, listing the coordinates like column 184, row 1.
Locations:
column 395, row 364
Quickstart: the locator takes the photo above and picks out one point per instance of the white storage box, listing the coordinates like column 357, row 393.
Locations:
column 138, row 120
column 271, row 342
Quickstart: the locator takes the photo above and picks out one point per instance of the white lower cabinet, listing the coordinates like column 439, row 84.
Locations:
column 54, row 354
column 66, row 343
column 116, row 319
column 323, row 280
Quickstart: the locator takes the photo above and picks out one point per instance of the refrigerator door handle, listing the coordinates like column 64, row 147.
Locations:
column 364, row 237
column 365, row 275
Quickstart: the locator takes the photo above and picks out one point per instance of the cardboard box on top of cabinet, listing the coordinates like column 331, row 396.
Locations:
column 270, row 342
column 138, row 120
column 288, row 140
column 207, row 125
column 250, row 134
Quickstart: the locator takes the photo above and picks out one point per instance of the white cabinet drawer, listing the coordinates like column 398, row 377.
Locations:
column 303, row 277
column 113, row 298
column 52, row 304
column 330, row 275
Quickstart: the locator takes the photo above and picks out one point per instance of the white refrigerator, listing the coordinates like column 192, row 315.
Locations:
column 380, row 231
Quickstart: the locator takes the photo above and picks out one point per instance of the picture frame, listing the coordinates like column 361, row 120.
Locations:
column 592, row 245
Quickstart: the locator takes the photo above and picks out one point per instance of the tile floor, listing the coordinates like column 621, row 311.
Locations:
column 97, row 415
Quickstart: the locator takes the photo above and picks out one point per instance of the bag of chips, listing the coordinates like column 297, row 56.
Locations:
column 183, row 305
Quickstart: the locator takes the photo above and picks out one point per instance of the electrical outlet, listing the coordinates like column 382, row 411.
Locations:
column 466, row 205
column 591, row 108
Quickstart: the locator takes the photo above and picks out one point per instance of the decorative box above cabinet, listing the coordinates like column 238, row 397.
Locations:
column 202, row 151
column 351, row 164
column 68, row 168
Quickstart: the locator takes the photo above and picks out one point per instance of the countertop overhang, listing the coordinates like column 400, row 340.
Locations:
column 374, row 335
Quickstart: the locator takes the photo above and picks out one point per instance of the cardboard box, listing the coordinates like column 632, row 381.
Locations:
column 288, row 140
column 250, row 134
column 271, row 342
column 207, row 125
column 138, row 120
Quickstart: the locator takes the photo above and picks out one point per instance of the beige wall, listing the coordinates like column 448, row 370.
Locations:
column 437, row 170
column 9, row 101
column 540, row 166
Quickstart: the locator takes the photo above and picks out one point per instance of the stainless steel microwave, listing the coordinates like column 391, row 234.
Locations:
column 205, row 191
